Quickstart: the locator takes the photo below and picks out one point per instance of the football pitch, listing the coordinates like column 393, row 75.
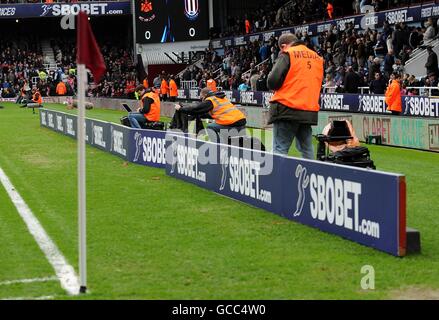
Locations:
column 151, row 236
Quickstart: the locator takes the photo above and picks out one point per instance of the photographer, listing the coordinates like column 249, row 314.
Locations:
column 226, row 115
column 36, row 102
column 149, row 109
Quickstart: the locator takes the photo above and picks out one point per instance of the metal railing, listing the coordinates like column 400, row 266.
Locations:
column 423, row 90
column 217, row 71
column 50, row 66
column 256, row 66
column 363, row 90
column 194, row 64
column 188, row 84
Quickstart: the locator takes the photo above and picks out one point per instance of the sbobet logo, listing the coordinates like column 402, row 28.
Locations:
column 117, row 145
column 74, row 9
column 248, row 97
column 333, row 102
column 229, row 95
column 152, row 149
column 244, row 178
column 50, row 120
column 98, row 136
column 266, row 98
column 422, row 106
column 182, row 94
column 334, row 201
column 59, row 123
column 372, row 104
column 43, row 118
column 186, row 160
column 70, row 129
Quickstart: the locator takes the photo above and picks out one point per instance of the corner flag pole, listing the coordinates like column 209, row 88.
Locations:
column 82, row 78
column 88, row 56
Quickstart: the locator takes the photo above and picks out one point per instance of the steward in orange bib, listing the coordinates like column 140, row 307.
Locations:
column 149, row 109
column 146, row 83
column 173, row 90
column 247, row 26
column 330, row 10
column 211, row 85
column 22, row 97
column 393, row 94
column 61, row 89
column 164, row 89
column 37, row 98
column 296, row 79
column 36, row 101
column 226, row 115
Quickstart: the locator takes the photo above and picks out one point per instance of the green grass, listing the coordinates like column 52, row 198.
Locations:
column 21, row 258
column 154, row 237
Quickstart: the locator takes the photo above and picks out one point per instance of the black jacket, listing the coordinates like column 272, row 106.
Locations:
column 352, row 82
column 378, row 86
column 147, row 102
column 203, row 109
column 432, row 63
column 278, row 111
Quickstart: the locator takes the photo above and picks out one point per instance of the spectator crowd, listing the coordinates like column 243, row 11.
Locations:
column 275, row 14
column 22, row 65
column 353, row 59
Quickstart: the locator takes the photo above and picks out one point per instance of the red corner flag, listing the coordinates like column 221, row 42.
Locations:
column 88, row 52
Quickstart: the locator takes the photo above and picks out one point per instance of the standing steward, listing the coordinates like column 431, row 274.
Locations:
column 173, row 89
column 393, row 94
column 149, row 109
column 296, row 79
column 164, row 89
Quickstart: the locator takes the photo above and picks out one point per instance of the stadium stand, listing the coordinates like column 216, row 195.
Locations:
column 284, row 13
column 342, row 50
column 44, row 60
column 348, row 54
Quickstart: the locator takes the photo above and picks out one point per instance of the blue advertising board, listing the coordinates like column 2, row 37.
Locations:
column 144, row 147
column 36, row 10
column 147, row 147
column 361, row 205
column 100, row 134
column 119, row 140
column 412, row 106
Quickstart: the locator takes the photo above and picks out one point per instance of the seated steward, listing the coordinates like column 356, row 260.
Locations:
column 22, row 97
column 149, row 108
column 226, row 115
column 36, row 101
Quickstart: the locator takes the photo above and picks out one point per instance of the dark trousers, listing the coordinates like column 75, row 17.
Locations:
column 181, row 120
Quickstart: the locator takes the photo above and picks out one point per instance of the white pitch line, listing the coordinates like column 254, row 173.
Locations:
column 30, row 298
column 45, row 279
column 63, row 270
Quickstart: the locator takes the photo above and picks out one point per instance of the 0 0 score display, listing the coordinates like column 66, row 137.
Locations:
column 160, row 21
